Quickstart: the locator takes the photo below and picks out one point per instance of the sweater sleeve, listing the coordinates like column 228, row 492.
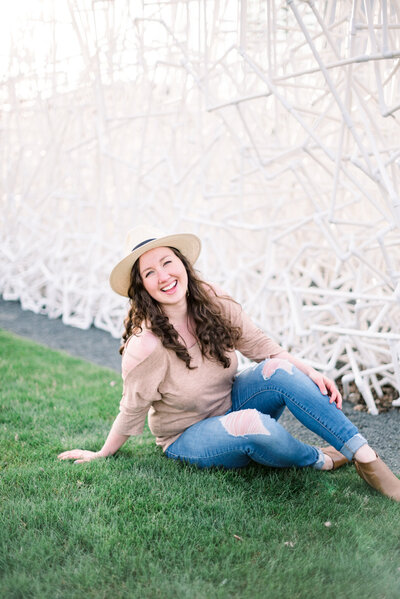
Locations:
column 253, row 343
column 140, row 392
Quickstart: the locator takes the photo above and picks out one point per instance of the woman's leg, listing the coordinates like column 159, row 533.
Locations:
column 250, row 431
column 233, row 440
column 276, row 383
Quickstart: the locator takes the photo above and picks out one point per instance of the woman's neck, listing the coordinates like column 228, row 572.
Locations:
column 177, row 314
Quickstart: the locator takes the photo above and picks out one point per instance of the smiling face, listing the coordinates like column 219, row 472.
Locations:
column 164, row 276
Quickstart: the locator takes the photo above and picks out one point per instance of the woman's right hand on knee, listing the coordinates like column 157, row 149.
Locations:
column 79, row 455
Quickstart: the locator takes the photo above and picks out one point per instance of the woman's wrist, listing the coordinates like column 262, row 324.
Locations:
column 101, row 454
column 285, row 355
column 113, row 442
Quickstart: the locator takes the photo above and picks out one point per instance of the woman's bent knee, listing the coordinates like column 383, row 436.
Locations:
column 244, row 422
column 274, row 364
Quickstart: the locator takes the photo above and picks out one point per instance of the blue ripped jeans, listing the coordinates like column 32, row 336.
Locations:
column 250, row 429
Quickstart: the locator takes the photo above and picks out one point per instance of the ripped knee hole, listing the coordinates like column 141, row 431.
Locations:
column 274, row 364
column 244, row 422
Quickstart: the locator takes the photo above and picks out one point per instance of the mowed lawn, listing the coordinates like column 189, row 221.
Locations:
column 138, row 525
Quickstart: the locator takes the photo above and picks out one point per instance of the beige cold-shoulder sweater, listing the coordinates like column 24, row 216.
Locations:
column 175, row 397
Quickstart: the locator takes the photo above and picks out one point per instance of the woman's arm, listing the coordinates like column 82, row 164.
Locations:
column 133, row 409
column 113, row 442
column 325, row 385
column 256, row 345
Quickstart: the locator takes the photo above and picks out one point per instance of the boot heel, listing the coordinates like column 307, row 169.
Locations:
column 380, row 477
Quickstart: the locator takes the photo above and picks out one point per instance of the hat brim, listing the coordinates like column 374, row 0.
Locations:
column 120, row 278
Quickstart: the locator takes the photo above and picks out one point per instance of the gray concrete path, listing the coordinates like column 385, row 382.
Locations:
column 94, row 345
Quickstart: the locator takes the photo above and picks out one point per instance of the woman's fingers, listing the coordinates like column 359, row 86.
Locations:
column 337, row 400
column 327, row 387
column 318, row 379
column 70, row 454
column 335, row 396
column 79, row 455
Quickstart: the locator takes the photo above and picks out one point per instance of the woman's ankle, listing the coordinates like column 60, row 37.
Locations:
column 328, row 464
column 365, row 454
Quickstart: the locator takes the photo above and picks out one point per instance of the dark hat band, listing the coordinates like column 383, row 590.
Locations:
column 142, row 243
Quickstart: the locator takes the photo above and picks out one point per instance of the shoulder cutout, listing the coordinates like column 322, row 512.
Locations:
column 137, row 349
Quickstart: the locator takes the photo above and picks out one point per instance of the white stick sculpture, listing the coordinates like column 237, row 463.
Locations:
column 269, row 128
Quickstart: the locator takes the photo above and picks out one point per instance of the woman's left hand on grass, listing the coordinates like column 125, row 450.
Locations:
column 79, row 455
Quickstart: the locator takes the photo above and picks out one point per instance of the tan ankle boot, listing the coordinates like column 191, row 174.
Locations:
column 380, row 477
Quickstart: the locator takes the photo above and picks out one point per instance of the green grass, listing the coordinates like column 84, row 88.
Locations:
column 140, row 526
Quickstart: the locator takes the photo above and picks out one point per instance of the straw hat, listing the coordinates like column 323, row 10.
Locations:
column 141, row 239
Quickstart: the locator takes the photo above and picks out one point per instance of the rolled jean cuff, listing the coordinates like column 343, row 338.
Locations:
column 320, row 460
column 353, row 445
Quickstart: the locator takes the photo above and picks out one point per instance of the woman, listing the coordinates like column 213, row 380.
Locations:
column 179, row 367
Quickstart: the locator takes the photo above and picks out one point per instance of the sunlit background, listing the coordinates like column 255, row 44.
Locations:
column 268, row 128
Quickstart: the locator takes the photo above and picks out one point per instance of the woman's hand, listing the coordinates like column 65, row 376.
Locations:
column 326, row 386
column 113, row 442
column 79, row 455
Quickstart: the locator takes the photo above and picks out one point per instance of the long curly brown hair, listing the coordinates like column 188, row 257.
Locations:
column 215, row 334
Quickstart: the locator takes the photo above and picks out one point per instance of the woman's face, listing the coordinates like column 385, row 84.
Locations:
column 164, row 275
